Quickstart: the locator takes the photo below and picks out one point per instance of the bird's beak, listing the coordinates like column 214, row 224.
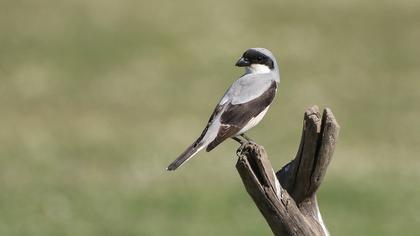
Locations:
column 242, row 62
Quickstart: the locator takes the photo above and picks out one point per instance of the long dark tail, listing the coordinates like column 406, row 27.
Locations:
column 186, row 155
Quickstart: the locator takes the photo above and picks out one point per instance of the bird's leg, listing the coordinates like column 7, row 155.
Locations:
column 237, row 139
column 243, row 140
column 246, row 137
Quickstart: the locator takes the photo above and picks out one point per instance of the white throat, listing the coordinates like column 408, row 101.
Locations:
column 257, row 69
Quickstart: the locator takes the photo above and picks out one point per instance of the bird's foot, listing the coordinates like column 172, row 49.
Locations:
column 241, row 148
column 243, row 140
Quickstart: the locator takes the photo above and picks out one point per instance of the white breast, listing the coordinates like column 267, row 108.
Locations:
column 258, row 69
column 253, row 122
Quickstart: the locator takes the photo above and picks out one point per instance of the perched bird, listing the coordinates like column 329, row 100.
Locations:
column 242, row 106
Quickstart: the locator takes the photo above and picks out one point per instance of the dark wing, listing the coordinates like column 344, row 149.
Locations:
column 235, row 117
column 215, row 112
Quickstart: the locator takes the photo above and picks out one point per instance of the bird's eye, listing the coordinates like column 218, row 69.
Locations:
column 259, row 58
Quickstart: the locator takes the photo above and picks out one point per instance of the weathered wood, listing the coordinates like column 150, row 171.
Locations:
column 287, row 199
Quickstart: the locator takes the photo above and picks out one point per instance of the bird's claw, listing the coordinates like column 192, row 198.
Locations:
column 244, row 141
column 240, row 150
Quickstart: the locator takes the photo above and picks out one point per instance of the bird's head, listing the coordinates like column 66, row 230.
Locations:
column 257, row 61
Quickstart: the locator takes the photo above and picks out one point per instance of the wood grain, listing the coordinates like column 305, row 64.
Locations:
column 287, row 199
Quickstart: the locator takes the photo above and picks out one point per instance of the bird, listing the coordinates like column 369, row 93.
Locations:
column 242, row 107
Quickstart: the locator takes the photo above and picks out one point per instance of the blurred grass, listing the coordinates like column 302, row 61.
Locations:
column 97, row 97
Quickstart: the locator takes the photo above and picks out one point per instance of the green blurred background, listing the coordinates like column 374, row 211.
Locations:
column 97, row 97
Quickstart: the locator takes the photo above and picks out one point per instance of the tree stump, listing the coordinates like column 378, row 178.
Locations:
column 287, row 199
